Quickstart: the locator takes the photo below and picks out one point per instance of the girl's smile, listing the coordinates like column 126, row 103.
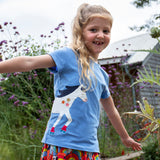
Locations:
column 96, row 35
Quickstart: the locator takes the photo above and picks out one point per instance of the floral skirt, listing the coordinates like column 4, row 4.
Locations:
column 50, row 152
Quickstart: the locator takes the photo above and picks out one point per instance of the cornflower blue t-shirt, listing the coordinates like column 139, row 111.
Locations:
column 75, row 112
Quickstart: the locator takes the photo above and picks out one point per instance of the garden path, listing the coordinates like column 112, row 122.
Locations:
column 126, row 157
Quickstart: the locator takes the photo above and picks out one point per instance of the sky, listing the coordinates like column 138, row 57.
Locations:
column 36, row 17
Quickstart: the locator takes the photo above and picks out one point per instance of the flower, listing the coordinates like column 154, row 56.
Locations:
column 24, row 126
column 5, row 23
column 4, row 41
column 4, row 93
column 57, row 28
column 35, row 75
column 16, row 103
column 61, row 24
column 24, row 103
column 29, row 77
column 103, row 67
column 122, row 153
column 12, row 97
column 16, row 33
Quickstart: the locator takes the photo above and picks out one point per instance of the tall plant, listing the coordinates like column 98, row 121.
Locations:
column 26, row 97
column 147, row 112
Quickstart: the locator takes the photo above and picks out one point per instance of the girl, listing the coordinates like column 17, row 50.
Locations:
column 80, row 84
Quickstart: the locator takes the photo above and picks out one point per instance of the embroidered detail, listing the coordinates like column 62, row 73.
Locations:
column 63, row 102
column 67, row 104
column 62, row 106
column 64, row 128
column 52, row 131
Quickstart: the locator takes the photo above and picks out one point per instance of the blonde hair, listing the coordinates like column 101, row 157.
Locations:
column 84, row 14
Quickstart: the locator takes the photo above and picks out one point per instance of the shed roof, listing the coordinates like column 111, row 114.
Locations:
column 116, row 51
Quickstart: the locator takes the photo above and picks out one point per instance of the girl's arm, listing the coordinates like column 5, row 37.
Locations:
column 26, row 63
column 117, row 123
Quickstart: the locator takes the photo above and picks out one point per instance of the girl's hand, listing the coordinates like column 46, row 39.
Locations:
column 129, row 142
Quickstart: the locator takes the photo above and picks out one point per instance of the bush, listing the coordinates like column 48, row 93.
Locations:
column 25, row 98
column 151, row 151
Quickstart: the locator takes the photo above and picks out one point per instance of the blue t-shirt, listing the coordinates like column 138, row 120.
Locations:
column 75, row 112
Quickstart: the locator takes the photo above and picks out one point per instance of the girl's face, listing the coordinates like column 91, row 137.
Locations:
column 96, row 35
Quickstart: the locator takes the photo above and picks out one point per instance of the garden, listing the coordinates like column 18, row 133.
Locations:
column 26, row 99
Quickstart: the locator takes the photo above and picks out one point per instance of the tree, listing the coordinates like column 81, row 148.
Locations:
column 153, row 21
column 142, row 3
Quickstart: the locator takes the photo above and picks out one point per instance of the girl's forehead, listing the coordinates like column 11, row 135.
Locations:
column 96, row 21
column 100, row 19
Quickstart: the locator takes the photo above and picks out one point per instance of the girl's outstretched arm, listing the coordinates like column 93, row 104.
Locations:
column 117, row 123
column 26, row 63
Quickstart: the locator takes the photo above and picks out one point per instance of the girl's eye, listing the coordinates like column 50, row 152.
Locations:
column 93, row 30
column 106, row 31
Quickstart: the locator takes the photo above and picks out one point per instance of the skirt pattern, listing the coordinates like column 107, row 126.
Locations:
column 50, row 152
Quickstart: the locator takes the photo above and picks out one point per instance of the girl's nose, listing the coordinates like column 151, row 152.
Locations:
column 100, row 35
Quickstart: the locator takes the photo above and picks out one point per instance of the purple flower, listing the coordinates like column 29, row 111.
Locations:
column 24, row 126
column 109, row 71
column 16, row 103
column 4, row 41
column 117, row 73
column 4, row 93
column 118, row 106
column 13, row 84
column 5, row 23
column 9, row 74
column 103, row 67
column 35, row 75
column 44, row 89
column 57, row 28
column 29, row 77
column 119, row 83
column 2, row 79
column 16, row 73
column 61, row 24
column 24, row 103
column 35, row 132
column 12, row 97
column 16, row 33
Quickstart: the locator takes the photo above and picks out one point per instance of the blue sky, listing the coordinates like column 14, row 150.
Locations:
column 35, row 17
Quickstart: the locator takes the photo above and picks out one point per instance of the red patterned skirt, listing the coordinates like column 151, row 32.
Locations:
column 50, row 152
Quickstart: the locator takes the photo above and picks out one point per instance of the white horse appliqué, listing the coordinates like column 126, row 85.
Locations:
column 62, row 105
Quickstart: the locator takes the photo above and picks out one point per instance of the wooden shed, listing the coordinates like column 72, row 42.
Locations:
column 128, row 61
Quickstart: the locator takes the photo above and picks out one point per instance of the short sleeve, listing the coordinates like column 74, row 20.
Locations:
column 61, row 59
column 106, row 92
